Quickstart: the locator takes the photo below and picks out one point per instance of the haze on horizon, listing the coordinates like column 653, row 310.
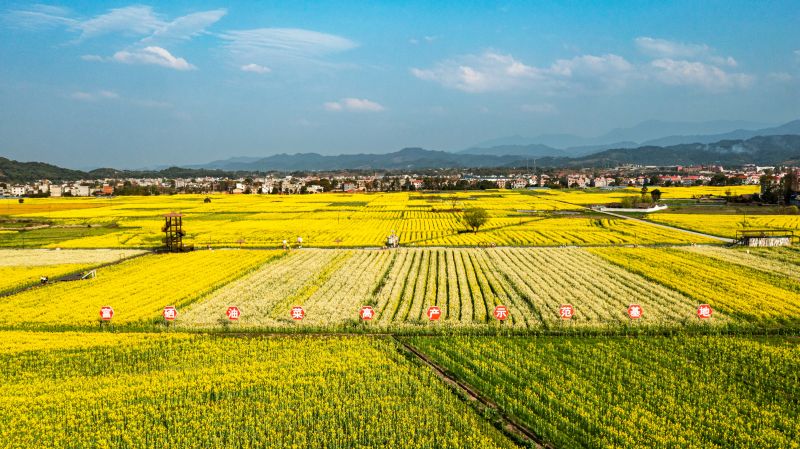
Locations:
column 129, row 85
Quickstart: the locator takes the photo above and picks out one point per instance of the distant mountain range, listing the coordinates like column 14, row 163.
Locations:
column 762, row 147
column 763, row 150
column 15, row 171
column 649, row 133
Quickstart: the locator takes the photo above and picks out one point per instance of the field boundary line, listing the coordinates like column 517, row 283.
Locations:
column 89, row 268
column 510, row 425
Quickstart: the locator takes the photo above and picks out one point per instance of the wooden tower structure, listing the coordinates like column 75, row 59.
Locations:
column 173, row 228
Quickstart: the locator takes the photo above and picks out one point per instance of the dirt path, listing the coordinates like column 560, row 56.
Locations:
column 509, row 424
column 685, row 231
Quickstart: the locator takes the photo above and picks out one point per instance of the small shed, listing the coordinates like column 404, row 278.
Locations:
column 765, row 237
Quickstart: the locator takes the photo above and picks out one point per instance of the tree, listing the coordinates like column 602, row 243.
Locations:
column 475, row 217
column 788, row 182
column 718, row 179
column 656, row 195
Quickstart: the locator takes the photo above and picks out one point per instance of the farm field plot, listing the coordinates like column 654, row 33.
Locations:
column 517, row 218
column 726, row 225
column 699, row 392
column 748, row 294
column 596, row 196
column 148, row 390
column 467, row 284
column 137, row 289
column 22, row 268
column 759, row 260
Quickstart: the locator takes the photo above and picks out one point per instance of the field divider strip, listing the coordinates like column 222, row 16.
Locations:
column 509, row 424
column 66, row 275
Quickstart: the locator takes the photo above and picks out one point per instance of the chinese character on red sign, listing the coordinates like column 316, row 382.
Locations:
column 366, row 313
column 566, row 311
column 635, row 311
column 501, row 313
column 298, row 313
column 233, row 313
column 170, row 313
column 704, row 311
column 106, row 313
column 434, row 313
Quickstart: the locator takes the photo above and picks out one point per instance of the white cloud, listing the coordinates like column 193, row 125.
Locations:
column 780, row 77
column 728, row 61
column 94, row 96
column 255, row 68
column 353, row 104
column 188, row 26
column 40, row 16
column 539, row 108
column 662, row 48
column 492, row 72
column 487, row 72
column 152, row 55
column 688, row 73
column 269, row 44
column 134, row 20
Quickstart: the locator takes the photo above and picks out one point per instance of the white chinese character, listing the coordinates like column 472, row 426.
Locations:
column 234, row 313
column 501, row 313
column 635, row 312
column 297, row 313
column 366, row 313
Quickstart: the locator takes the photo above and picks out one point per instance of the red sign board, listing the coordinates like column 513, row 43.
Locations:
column 366, row 313
column 704, row 311
column 635, row 311
column 106, row 313
column 501, row 313
column 298, row 313
column 233, row 313
column 566, row 311
column 170, row 313
column 434, row 312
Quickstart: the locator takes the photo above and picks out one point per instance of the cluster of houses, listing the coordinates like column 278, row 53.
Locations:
column 610, row 178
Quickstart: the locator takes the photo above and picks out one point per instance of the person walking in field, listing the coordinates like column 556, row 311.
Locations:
column 285, row 244
column 299, row 242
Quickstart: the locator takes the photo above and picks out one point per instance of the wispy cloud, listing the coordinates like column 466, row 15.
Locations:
column 492, row 72
column 539, row 108
column 108, row 95
column 689, row 73
column 152, row 55
column 255, row 68
column 663, row 48
column 188, row 26
column 138, row 21
column 353, row 104
column 94, row 96
column 269, row 44
column 486, row 72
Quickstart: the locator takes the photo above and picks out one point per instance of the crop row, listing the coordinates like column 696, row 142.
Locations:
column 692, row 392
column 139, row 390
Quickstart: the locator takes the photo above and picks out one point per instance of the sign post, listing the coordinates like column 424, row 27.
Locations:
column 566, row 311
column 501, row 313
column 106, row 314
column 434, row 312
column 170, row 313
column 366, row 313
column 233, row 313
column 704, row 311
column 298, row 313
column 635, row 311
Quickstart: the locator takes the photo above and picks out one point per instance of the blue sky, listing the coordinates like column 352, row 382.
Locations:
column 86, row 84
